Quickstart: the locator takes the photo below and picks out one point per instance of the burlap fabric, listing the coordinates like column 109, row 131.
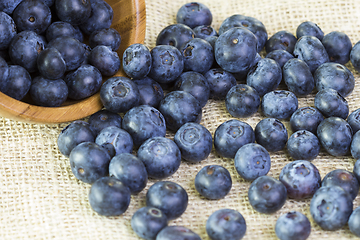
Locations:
column 41, row 199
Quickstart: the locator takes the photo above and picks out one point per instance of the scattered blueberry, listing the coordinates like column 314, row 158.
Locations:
column 220, row 82
column 338, row 46
column 271, row 134
column 355, row 146
column 354, row 120
column 198, row 55
column 356, row 170
column 282, row 40
column 280, row 56
column 306, row 118
column 175, row 35
column 105, row 59
column 242, row 101
column 344, row 179
column 177, row 233
column 136, row 61
column 355, row 56
column 309, row 28
column 280, row 104
column 119, row 138
column 354, row 222
column 104, row 118
column 303, row 145
column 150, row 91
column 331, row 103
column 194, row 14
column 292, row 225
column 204, row 31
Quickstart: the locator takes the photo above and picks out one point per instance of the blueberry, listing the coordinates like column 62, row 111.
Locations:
column 303, row 145
column 161, row 157
column 235, row 50
column 74, row 12
column 177, row 233
column 225, row 224
column 264, row 76
column 212, row 41
column 104, row 118
column 119, row 94
column 280, row 56
column 213, row 182
column 101, row 17
column 195, row 84
column 338, row 46
column 220, row 82
column 266, row 194
column 74, row 134
column 309, row 28
column 9, row 6
column 17, row 83
column 292, row 225
column 104, row 59
column 331, row 104
column 331, row 207
column 198, row 55
column 32, row 15
column 204, row 31
column 175, row 35
column 310, row 50
column 271, row 134
column 354, row 222
column 147, row 222
column 4, row 73
column 335, row 76
column 48, row 93
column 344, row 179
column 282, row 40
column 335, row 135
column 355, row 146
column 105, row 36
column 109, row 196
column 167, row 64
column 144, row 122
column 250, row 23
column 355, row 56
column 231, row 135
column 169, row 197
column 301, row 179
column 298, row 77
column 280, row 104
column 119, row 138
column 59, row 28
column 252, row 161
column 150, row 91
column 130, row 170
column 8, row 30
column 194, row 142
column 178, row 108
column 194, row 14
column 89, row 162
column 354, row 120
column 306, row 118
column 136, row 61
column 356, row 170
column 51, row 64
column 242, row 101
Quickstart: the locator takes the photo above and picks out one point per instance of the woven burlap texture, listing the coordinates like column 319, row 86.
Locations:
column 41, row 199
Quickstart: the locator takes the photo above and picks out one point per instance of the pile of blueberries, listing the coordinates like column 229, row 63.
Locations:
column 193, row 62
column 43, row 52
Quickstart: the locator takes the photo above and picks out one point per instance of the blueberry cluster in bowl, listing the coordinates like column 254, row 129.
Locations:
column 166, row 89
column 53, row 51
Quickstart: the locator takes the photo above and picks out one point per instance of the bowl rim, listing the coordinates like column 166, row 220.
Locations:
column 25, row 112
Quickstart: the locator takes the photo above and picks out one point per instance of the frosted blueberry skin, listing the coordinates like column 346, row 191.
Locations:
column 242, row 101
column 169, row 197
column 161, row 157
column 229, row 136
column 213, row 182
column 354, row 120
column 354, row 222
column 119, row 94
column 147, row 222
column 355, row 56
column 280, row 56
column 205, row 31
column 8, row 30
column 267, row 194
column 309, row 28
column 271, row 134
column 198, row 55
column 175, row 35
column 301, row 179
column 177, row 233
column 194, row 142
column 24, row 49
column 220, row 82
column 136, row 61
column 292, row 225
column 130, row 170
column 335, row 135
column 109, row 197
column 74, row 12
column 264, row 76
column 331, row 104
column 100, row 18
column 178, row 108
column 335, row 76
column 338, row 46
column 303, row 145
column 104, row 118
column 48, row 93
column 89, row 162
column 355, row 146
column 51, row 64
column 194, row 14
column 104, row 59
column 212, row 40
column 252, row 24
column 144, row 122
column 151, row 92
column 235, row 50
column 280, row 104
column 306, row 118
column 17, row 83
column 252, row 161
column 282, row 40
column 331, row 207
column 4, row 73
column 195, row 84
column 344, row 179
column 356, row 170
column 9, row 6
column 225, row 224
column 59, row 28
column 167, row 64
column 298, row 77
column 105, row 36
column 119, row 138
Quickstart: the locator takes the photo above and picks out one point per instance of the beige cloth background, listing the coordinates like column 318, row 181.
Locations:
column 41, row 199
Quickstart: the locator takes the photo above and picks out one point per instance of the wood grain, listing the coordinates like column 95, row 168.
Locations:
column 130, row 20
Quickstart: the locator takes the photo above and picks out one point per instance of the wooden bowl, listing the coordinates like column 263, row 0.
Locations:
column 129, row 19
